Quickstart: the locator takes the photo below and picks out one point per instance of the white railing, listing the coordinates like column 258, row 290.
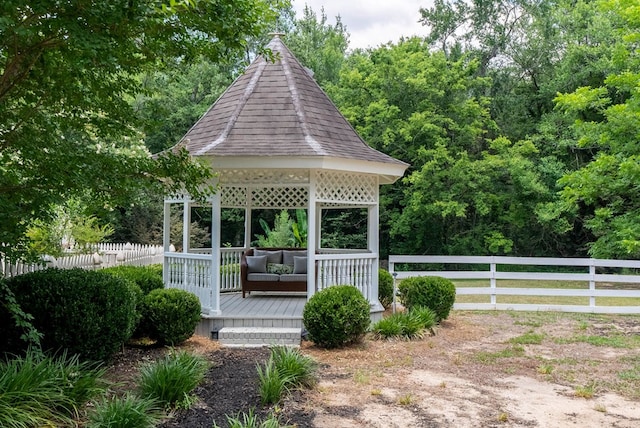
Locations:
column 106, row 255
column 359, row 270
column 230, row 269
column 593, row 280
column 191, row 272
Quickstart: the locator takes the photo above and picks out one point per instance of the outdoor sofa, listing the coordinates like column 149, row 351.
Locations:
column 273, row 269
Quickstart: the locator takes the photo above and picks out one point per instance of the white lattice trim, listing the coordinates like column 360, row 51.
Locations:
column 262, row 177
column 344, row 187
column 280, row 197
column 233, row 196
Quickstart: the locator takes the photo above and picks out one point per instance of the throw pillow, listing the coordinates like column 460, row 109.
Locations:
column 299, row 264
column 272, row 256
column 279, row 268
column 288, row 255
column 257, row 264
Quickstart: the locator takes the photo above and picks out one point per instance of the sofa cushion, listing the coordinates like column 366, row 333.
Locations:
column 293, row 277
column 279, row 268
column 256, row 264
column 265, row 277
column 272, row 256
column 288, row 255
column 299, row 264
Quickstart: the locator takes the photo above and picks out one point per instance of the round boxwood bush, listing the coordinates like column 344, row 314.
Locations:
column 147, row 278
column 336, row 316
column 88, row 313
column 171, row 314
column 433, row 292
column 385, row 288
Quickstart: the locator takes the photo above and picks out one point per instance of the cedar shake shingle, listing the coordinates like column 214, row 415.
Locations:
column 277, row 109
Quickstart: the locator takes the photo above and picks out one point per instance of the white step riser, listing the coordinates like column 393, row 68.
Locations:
column 259, row 336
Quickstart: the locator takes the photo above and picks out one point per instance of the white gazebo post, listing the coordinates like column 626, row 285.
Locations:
column 214, row 300
column 313, row 225
column 166, row 239
column 373, row 245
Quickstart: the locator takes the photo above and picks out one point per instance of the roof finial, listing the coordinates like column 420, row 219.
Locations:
column 276, row 34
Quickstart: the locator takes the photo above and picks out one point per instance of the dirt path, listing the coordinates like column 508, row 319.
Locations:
column 502, row 370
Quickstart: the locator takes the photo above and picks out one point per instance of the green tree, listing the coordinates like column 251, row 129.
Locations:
column 604, row 193
column 319, row 45
column 68, row 71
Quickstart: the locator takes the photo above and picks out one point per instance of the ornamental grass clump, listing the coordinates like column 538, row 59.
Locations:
column 128, row 411
column 408, row 325
column 172, row 379
column 433, row 292
column 286, row 368
column 42, row 391
column 336, row 316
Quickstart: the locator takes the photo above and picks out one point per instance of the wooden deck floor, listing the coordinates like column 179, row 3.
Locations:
column 260, row 305
column 270, row 310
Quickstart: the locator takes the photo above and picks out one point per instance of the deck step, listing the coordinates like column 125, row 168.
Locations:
column 259, row 336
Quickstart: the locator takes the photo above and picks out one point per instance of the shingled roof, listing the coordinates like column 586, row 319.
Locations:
column 276, row 109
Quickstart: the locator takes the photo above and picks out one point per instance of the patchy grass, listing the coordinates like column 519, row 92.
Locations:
column 529, row 338
column 611, row 341
column 515, row 351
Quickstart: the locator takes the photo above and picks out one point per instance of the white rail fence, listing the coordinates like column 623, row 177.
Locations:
column 105, row 255
column 596, row 281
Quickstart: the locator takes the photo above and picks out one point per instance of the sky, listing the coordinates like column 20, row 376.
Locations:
column 371, row 23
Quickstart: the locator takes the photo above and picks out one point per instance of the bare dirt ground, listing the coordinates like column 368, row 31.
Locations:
column 479, row 370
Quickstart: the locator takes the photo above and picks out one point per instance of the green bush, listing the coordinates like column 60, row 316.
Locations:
column 336, row 316
column 89, row 313
column 145, row 277
column 171, row 314
column 433, row 292
column 39, row 391
column 385, row 288
column 171, row 380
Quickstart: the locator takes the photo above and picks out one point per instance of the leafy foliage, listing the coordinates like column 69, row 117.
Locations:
column 409, row 325
column 37, row 390
column 128, row 411
column 336, row 316
column 385, row 288
column 172, row 379
column 171, row 315
column 67, row 73
column 286, row 368
column 89, row 313
column 433, row 292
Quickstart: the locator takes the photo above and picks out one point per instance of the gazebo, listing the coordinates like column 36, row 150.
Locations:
column 276, row 141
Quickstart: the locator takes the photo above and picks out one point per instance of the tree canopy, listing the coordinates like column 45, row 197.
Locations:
column 68, row 73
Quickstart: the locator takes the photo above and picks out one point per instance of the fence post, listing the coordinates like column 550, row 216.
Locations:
column 492, row 279
column 592, row 283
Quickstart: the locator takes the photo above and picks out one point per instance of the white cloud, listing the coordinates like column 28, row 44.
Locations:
column 372, row 23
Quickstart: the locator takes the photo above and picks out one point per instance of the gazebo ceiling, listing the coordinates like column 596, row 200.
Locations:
column 276, row 116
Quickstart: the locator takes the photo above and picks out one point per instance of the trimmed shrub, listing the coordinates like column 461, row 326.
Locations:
column 336, row 316
column 171, row 314
column 433, row 292
column 385, row 288
column 145, row 277
column 89, row 313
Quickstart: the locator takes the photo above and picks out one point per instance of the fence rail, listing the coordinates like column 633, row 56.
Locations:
column 596, row 278
column 105, row 255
